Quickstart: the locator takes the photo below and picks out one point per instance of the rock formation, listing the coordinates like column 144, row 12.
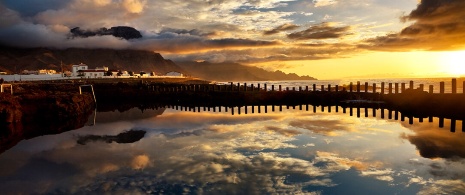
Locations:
column 124, row 32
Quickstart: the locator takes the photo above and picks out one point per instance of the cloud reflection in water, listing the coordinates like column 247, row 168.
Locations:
column 286, row 152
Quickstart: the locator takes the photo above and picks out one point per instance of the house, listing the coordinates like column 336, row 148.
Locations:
column 77, row 68
column 174, row 74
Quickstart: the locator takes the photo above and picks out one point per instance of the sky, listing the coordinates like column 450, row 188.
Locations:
column 326, row 39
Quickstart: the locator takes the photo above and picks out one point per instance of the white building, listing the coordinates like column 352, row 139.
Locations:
column 174, row 74
column 77, row 68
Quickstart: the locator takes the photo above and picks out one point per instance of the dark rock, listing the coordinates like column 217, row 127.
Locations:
column 124, row 32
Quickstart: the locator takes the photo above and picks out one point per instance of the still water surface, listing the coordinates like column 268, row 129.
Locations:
column 290, row 152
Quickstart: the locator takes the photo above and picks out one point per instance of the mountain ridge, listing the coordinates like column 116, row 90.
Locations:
column 236, row 72
column 15, row 60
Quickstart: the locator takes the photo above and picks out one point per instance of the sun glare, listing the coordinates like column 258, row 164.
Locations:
column 454, row 63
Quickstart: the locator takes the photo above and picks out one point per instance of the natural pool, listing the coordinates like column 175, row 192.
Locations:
column 210, row 152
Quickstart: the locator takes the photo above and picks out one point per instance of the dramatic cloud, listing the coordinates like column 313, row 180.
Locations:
column 437, row 25
column 432, row 142
column 284, row 27
column 321, row 31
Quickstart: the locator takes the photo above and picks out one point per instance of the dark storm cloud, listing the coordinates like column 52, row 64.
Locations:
column 321, row 31
column 185, row 43
column 32, row 7
column 194, row 32
column 284, row 27
column 438, row 25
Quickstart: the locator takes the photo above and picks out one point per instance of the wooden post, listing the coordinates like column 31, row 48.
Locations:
column 272, row 87
column 411, row 84
column 390, row 88
column 293, row 88
column 350, row 87
column 245, row 86
column 422, row 87
column 306, row 88
column 279, row 87
column 265, row 88
column 441, row 88
column 431, row 89
column 252, row 89
column 452, row 125
column 258, row 86
column 441, row 122
column 454, row 86
column 358, row 86
column 314, row 87
column 396, row 88
column 402, row 87
column 300, row 88
column 382, row 88
column 287, row 88
column 329, row 87
column 337, row 89
column 322, row 88
column 366, row 87
column 374, row 87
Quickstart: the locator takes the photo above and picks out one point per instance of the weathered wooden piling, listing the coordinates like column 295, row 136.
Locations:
column 272, row 87
column 314, row 87
column 452, row 125
column 374, row 87
column 382, row 88
column 396, row 88
column 411, row 84
column 279, row 87
column 329, row 87
column 422, row 87
column 265, row 87
column 358, row 86
column 431, row 89
column 337, row 88
column 300, row 88
column 306, row 88
column 322, row 88
column 402, row 87
column 351, row 87
column 441, row 122
column 454, row 86
column 366, row 87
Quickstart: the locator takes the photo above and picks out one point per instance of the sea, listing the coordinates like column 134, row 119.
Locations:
column 301, row 149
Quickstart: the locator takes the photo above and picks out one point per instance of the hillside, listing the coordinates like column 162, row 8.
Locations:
column 235, row 72
column 16, row 60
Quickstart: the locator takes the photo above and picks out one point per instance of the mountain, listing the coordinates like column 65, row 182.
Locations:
column 235, row 72
column 16, row 59
column 124, row 32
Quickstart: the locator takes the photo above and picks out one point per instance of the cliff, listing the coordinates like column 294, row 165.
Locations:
column 16, row 60
column 236, row 72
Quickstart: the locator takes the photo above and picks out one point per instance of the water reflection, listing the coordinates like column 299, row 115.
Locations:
column 288, row 151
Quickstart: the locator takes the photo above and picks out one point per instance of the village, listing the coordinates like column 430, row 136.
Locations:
column 81, row 71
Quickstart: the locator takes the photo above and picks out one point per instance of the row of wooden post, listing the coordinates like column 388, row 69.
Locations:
column 232, row 87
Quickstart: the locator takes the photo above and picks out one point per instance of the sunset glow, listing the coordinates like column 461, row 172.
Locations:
column 355, row 38
column 454, row 63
